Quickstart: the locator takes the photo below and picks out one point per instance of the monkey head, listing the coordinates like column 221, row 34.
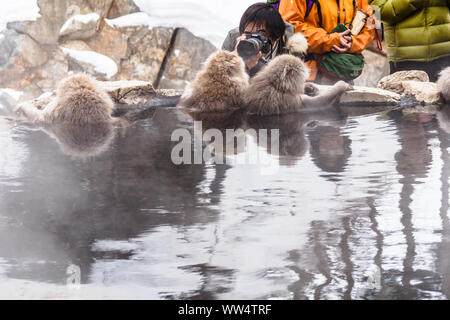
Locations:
column 288, row 74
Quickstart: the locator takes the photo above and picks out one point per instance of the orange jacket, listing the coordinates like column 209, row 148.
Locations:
column 319, row 39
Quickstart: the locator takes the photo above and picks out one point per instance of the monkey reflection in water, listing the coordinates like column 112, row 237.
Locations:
column 290, row 135
column 79, row 118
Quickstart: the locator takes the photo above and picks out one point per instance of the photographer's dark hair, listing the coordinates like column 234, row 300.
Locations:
column 264, row 13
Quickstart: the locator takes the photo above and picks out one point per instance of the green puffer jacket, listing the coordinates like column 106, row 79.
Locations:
column 416, row 30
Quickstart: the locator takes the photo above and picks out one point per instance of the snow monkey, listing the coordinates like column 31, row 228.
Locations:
column 219, row 86
column 443, row 84
column 279, row 88
column 79, row 100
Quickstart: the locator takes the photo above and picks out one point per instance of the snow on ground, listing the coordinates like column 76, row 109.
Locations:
column 18, row 10
column 131, row 20
column 210, row 19
column 101, row 64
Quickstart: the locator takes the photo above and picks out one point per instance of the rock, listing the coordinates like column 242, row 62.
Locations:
column 109, row 42
column 23, row 63
column 80, row 27
column 102, row 7
column 54, row 13
column 393, row 82
column 91, row 62
column 121, row 8
column 76, row 45
column 186, row 58
column 426, row 92
column 146, row 51
column 375, row 68
column 9, row 42
column 56, row 69
column 369, row 96
column 14, row 47
column 129, row 92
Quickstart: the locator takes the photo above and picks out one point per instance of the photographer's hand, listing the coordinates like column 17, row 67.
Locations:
column 252, row 61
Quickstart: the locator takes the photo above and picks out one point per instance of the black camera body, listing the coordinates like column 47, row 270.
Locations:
column 252, row 44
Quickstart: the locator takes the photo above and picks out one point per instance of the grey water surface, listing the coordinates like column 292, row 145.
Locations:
column 357, row 208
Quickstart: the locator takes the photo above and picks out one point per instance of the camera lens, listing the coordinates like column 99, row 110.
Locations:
column 249, row 47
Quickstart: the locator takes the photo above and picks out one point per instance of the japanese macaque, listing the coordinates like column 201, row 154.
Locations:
column 280, row 87
column 219, row 86
column 444, row 84
column 79, row 100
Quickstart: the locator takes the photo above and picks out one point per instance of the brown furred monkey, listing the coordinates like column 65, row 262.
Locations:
column 443, row 84
column 219, row 86
column 279, row 88
column 79, row 100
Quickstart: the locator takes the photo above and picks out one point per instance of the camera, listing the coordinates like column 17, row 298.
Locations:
column 252, row 44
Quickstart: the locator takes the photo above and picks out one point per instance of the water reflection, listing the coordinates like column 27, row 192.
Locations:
column 357, row 210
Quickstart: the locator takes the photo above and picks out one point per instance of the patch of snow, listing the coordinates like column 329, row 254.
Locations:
column 102, row 64
column 130, row 20
column 79, row 19
column 177, row 52
column 18, row 10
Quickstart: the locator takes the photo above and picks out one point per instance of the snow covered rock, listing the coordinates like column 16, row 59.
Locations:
column 369, row 96
column 92, row 62
column 132, row 20
column 425, row 92
column 393, row 82
column 55, row 13
column 80, row 26
column 109, row 42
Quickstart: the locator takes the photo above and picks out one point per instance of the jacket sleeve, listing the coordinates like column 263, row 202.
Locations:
column 394, row 11
column 362, row 41
column 319, row 40
column 229, row 43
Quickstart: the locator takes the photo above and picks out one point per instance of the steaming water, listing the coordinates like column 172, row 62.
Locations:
column 357, row 210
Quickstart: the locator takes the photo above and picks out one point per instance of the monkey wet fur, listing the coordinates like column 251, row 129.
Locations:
column 79, row 100
column 279, row 89
column 219, row 86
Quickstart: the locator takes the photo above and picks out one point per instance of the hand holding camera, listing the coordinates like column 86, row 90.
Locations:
column 251, row 47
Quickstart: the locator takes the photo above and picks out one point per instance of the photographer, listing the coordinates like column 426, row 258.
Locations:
column 332, row 45
column 261, row 36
